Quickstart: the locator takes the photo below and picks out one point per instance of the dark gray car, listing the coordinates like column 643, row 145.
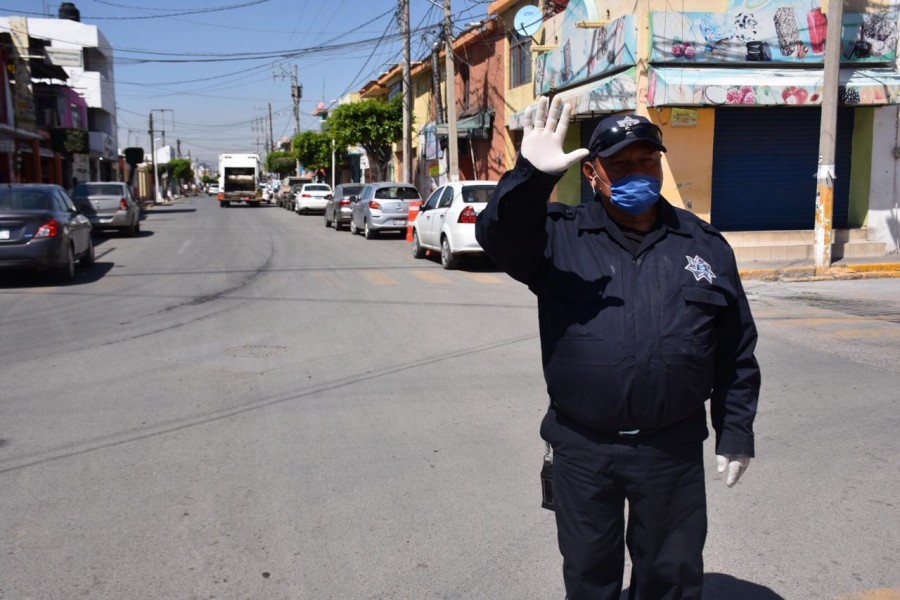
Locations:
column 108, row 205
column 41, row 229
column 382, row 206
column 340, row 205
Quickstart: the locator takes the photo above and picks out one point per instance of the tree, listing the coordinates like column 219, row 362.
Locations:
column 312, row 149
column 282, row 163
column 373, row 124
column 181, row 170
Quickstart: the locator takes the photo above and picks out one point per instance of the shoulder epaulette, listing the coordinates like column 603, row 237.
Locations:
column 561, row 210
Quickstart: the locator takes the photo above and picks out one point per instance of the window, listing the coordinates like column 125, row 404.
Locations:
column 519, row 59
column 432, row 200
column 446, row 198
column 477, row 193
column 397, row 193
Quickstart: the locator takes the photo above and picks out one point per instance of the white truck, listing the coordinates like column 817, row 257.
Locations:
column 239, row 179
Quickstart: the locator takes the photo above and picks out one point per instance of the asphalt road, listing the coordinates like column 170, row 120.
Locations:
column 242, row 403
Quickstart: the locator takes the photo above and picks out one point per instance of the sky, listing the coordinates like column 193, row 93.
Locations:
column 210, row 69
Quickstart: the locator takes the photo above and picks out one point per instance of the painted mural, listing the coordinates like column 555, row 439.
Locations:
column 758, row 87
column 777, row 31
column 615, row 93
column 585, row 53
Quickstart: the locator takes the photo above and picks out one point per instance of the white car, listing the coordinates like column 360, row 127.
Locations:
column 446, row 222
column 311, row 197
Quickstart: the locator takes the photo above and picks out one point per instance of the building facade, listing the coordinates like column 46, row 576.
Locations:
column 737, row 88
column 82, row 59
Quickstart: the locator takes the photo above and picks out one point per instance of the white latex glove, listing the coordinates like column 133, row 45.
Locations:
column 736, row 466
column 543, row 137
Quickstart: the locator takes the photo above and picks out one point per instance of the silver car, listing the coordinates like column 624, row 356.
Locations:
column 382, row 206
column 108, row 205
column 340, row 205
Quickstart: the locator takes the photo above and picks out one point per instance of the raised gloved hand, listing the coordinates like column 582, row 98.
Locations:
column 736, row 466
column 544, row 132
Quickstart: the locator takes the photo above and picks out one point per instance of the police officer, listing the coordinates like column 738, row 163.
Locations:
column 642, row 318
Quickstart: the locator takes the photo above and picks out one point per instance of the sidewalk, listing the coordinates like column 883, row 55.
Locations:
column 844, row 268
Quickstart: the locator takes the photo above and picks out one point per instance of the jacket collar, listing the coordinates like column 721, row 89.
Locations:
column 595, row 217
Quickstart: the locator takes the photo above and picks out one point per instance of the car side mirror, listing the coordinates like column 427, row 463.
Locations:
column 423, row 208
column 329, row 196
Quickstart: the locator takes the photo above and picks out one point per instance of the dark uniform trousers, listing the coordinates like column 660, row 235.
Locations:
column 662, row 482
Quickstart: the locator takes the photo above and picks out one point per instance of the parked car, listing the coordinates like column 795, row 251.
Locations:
column 213, row 190
column 382, row 206
column 108, row 205
column 311, row 196
column 285, row 195
column 339, row 205
column 41, row 229
column 446, row 222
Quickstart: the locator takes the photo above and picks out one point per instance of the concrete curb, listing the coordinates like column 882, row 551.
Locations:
column 836, row 272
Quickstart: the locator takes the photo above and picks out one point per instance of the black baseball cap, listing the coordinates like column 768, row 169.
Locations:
column 620, row 131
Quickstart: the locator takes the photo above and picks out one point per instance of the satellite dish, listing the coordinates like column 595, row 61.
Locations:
column 528, row 20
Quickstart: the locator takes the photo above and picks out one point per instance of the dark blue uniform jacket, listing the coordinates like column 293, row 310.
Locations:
column 629, row 340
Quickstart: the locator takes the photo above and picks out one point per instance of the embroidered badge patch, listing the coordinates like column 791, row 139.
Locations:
column 700, row 268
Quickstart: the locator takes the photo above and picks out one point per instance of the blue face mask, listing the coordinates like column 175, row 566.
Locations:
column 635, row 194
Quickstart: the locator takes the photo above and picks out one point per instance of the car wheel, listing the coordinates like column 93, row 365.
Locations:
column 131, row 230
column 417, row 249
column 337, row 225
column 89, row 257
column 327, row 222
column 353, row 229
column 448, row 260
column 137, row 226
column 370, row 233
column 65, row 273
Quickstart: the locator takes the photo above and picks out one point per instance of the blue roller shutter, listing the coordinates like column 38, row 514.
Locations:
column 764, row 168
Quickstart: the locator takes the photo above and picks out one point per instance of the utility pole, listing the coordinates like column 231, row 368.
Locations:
column 271, row 146
column 824, row 231
column 452, row 142
column 436, row 84
column 407, row 93
column 296, row 95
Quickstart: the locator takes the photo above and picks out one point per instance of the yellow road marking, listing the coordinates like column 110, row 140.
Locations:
column 431, row 277
column 379, row 278
column 484, row 277
column 329, row 279
column 880, row 594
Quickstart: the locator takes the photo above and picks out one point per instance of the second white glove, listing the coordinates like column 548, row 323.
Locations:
column 543, row 137
column 735, row 465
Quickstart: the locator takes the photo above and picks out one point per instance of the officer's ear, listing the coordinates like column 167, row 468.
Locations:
column 587, row 167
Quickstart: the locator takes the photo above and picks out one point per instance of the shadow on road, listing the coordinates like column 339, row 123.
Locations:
column 718, row 586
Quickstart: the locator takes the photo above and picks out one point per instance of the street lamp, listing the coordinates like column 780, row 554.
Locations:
column 159, row 198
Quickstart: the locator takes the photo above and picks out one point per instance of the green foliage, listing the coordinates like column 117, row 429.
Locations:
column 372, row 124
column 207, row 179
column 313, row 149
column 180, row 169
column 282, row 163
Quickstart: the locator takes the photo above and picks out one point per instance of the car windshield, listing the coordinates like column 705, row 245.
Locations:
column 98, row 189
column 477, row 193
column 317, row 187
column 397, row 193
column 25, row 200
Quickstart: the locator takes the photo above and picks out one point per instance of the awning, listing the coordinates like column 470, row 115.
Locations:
column 615, row 93
column 673, row 86
column 478, row 125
